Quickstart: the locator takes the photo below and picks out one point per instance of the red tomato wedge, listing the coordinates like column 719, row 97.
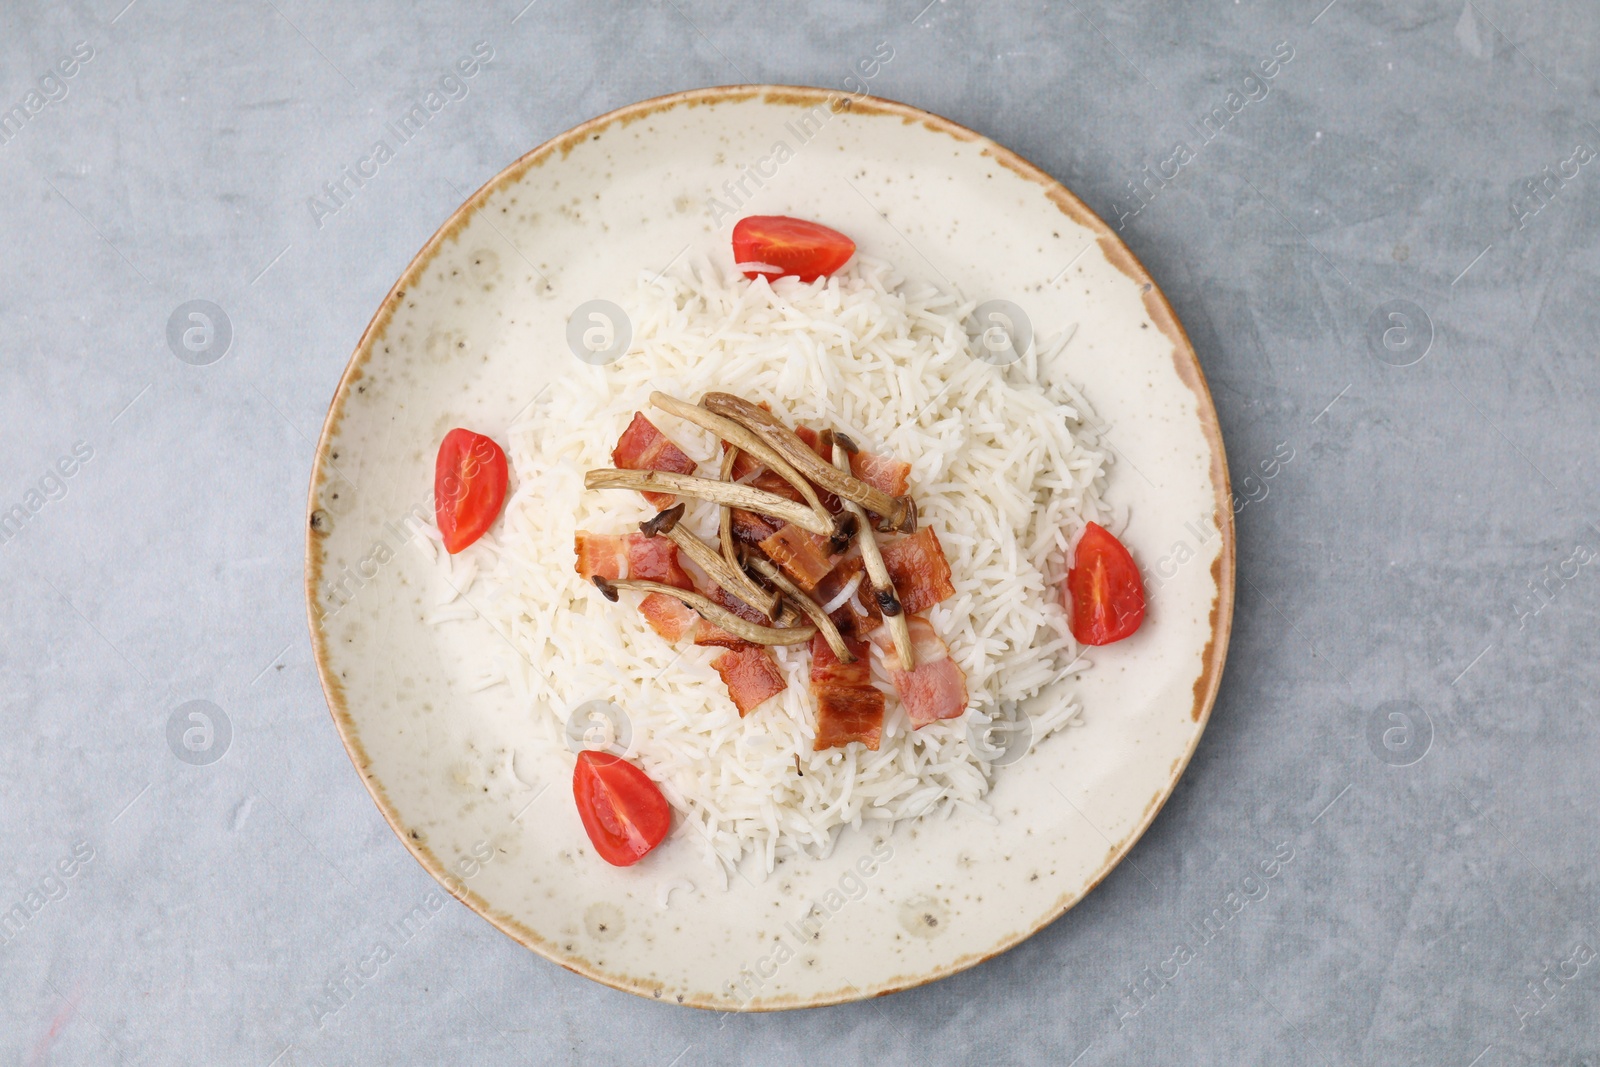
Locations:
column 807, row 250
column 469, row 486
column 622, row 809
column 1105, row 596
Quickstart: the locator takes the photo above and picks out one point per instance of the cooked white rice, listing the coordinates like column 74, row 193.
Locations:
column 1004, row 467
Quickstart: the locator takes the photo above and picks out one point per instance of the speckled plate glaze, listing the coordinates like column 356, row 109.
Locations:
column 479, row 322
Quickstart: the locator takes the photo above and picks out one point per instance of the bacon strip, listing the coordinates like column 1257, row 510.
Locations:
column 803, row 555
column 748, row 527
column 812, row 439
column 885, row 472
column 833, row 583
column 617, row 556
column 845, row 714
column 753, row 474
column 936, row 689
column 882, row 472
column 642, row 447
column 828, row 669
column 774, row 484
column 751, row 675
column 707, row 632
column 752, row 529
column 669, row 617
column 743, row 465
column 850, row 621
column 919, row 570
column 849, row 707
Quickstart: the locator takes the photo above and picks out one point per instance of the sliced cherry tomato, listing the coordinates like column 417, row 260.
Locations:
column 469, row 485
column 622, row 809
column 807, row 250
column 1105, row 595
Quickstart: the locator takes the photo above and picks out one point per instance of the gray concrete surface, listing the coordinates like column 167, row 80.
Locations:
column 1410, row 702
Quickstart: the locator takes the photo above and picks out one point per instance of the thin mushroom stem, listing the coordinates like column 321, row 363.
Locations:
column 898, row 513
column 732, row 579
column 813, row 610
column 710, row 610
column 742, row 436
column 730, row 551
column 731, row 494
column 882, row 584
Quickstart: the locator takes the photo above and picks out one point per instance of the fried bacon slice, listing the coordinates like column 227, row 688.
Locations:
column 751, row 674
column 707, row 632
column 749, row 527
column 887, row 473
column 920, row 573
column 768, row 482
column 849, row 707
column 936, row 689
column 670, row 617
column 836, row 580
column 882, row 472
column 846, row 714
column 615, row 556
column 828, row 669
column 642, row 447
column 851, row 620
column 803, row 555
column 752, row 529
column 743, row 465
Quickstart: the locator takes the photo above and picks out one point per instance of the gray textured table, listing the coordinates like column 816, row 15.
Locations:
column 1386, row 253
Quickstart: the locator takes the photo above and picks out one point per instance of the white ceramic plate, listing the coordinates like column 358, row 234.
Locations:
column 468, row 336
